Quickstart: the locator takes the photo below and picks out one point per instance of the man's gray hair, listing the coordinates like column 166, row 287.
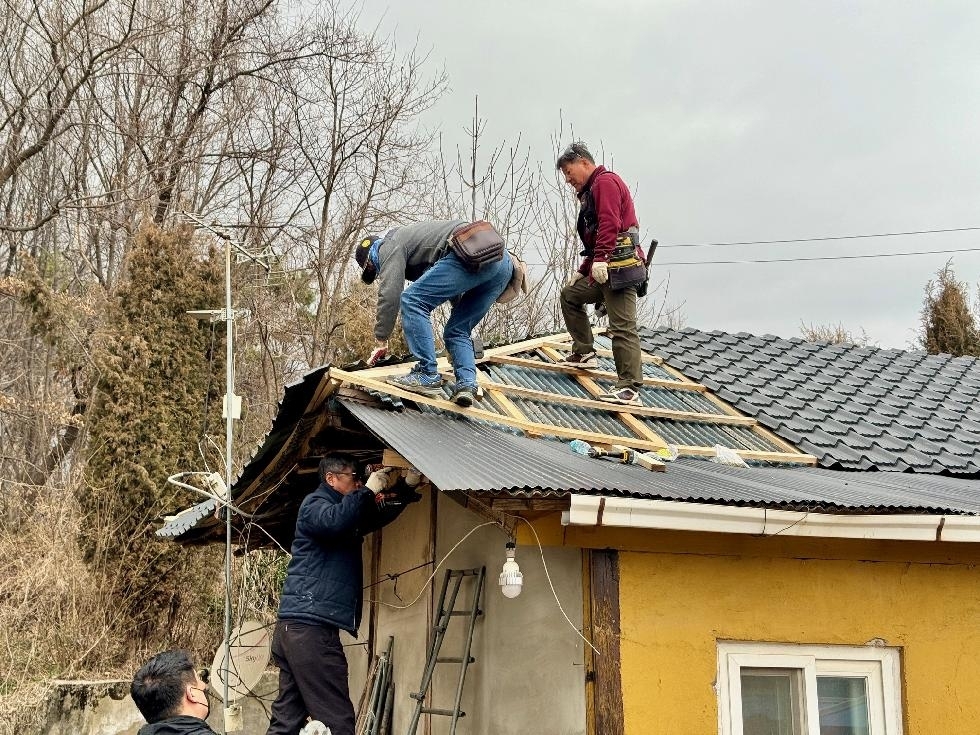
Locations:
column 576, row 151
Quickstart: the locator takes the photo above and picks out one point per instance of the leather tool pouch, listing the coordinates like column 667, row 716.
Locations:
column 477, row 245
column 625, row 268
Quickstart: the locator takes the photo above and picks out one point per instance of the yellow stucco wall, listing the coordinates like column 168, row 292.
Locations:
column 675, row 605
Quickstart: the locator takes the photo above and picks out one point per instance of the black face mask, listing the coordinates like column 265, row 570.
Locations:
column 207, row 699
column 369, row 273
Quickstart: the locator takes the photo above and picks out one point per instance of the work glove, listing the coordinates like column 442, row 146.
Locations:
column 412, row 477
column 377, row 481
column 600, row 272
column 576, row 277
column 379, row 353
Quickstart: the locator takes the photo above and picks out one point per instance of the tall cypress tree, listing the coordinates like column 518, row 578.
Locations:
column 157, row 373
column 948, row 325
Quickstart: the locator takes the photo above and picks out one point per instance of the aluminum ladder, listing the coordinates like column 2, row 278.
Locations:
column 447, row 611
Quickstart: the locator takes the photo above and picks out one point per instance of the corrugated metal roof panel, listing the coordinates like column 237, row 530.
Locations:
column 460, row 454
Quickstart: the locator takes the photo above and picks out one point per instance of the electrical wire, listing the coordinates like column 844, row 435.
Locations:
column 438, row 566
column 817, row 239
column 551, row 584
column 819, row 257
column 660, row 264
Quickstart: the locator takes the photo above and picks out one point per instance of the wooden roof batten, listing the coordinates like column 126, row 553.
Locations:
column 642, row 436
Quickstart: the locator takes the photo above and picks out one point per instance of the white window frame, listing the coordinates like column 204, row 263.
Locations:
column 880, row 666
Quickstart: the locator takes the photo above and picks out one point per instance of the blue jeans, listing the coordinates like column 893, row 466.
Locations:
column 448, row 279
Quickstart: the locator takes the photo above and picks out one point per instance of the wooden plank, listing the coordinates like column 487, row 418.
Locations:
column 359, row 378
column 531, row 427
column 494, row 389
column 751, row 454
column 631, row 422
column 555, row 368
column 644, row 357
column 534, row 504
column 443, row 363
column 391, row 458
column 606, row 631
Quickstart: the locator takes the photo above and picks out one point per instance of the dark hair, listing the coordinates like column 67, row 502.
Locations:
column 337, row 462
column 574, row 152
column 158, row 687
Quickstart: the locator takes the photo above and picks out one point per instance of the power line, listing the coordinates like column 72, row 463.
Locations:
column 656, row 264
column 818, row 239
column 819, row 257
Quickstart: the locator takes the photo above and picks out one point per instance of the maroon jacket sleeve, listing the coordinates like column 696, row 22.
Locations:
column 614, row 210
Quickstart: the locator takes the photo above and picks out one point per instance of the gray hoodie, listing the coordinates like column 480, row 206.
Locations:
column 406, row 253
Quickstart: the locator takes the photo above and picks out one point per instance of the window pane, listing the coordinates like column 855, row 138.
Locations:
column 843, row 703
column 771, row 702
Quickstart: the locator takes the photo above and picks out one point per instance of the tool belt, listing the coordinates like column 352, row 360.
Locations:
column 477, row 244
column 625, row 269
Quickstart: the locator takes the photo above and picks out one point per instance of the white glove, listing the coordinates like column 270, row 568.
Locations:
column 379, row 352
column 315, row 728
column 575, row 278
column 412, row 477
column 600, row 272
column 377, row 481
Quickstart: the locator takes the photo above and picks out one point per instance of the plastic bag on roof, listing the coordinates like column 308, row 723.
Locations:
column 726, row 456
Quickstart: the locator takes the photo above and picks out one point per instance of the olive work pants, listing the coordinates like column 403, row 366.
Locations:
column 621, row 306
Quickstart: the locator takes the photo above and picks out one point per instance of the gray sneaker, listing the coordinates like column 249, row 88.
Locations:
column 622, row 396
column 464, row 395
column 425, row 385
column 583, row 361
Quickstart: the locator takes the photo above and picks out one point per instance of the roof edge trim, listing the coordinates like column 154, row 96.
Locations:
column 589, row 510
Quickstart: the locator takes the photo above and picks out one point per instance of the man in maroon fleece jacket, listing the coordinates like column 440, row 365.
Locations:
column 605, row 214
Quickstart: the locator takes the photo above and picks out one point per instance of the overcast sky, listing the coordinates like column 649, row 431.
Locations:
column 743, row 121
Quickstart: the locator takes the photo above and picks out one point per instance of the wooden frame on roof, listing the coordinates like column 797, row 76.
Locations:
column 639, row 434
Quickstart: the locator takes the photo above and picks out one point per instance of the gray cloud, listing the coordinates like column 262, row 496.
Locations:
column 747, row 121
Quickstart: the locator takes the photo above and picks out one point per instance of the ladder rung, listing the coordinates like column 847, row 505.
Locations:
column 457, row 613
column 445, row 712
column 454, row 660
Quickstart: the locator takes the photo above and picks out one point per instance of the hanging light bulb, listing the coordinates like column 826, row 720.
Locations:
column 511, row 579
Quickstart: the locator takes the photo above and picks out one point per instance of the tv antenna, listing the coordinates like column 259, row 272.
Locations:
column 231, row 412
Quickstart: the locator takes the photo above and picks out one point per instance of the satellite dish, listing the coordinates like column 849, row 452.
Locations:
column 251, row 645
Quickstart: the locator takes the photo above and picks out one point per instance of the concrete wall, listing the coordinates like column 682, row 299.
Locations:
column 529, row 673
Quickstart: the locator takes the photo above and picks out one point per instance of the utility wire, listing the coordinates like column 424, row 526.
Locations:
column 818, row 239
column 819, row 257
column 657, row 264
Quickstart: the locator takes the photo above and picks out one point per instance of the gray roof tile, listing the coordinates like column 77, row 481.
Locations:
column 852, row 407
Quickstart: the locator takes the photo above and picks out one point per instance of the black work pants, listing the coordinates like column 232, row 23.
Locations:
column 312, row 679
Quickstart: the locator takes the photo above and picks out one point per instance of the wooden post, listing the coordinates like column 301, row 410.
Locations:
column 607, row 684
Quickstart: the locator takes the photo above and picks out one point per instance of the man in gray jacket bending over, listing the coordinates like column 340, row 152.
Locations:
column 420, row 253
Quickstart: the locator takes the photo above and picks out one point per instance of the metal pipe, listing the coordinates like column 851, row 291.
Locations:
column 229, row 435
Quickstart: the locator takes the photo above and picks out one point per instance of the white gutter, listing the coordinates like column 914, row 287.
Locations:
column 589, row 510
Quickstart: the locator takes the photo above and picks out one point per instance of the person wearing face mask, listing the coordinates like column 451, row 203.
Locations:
column 172, row 696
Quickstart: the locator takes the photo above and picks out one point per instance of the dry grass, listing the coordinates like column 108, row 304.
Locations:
column 54, row 617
